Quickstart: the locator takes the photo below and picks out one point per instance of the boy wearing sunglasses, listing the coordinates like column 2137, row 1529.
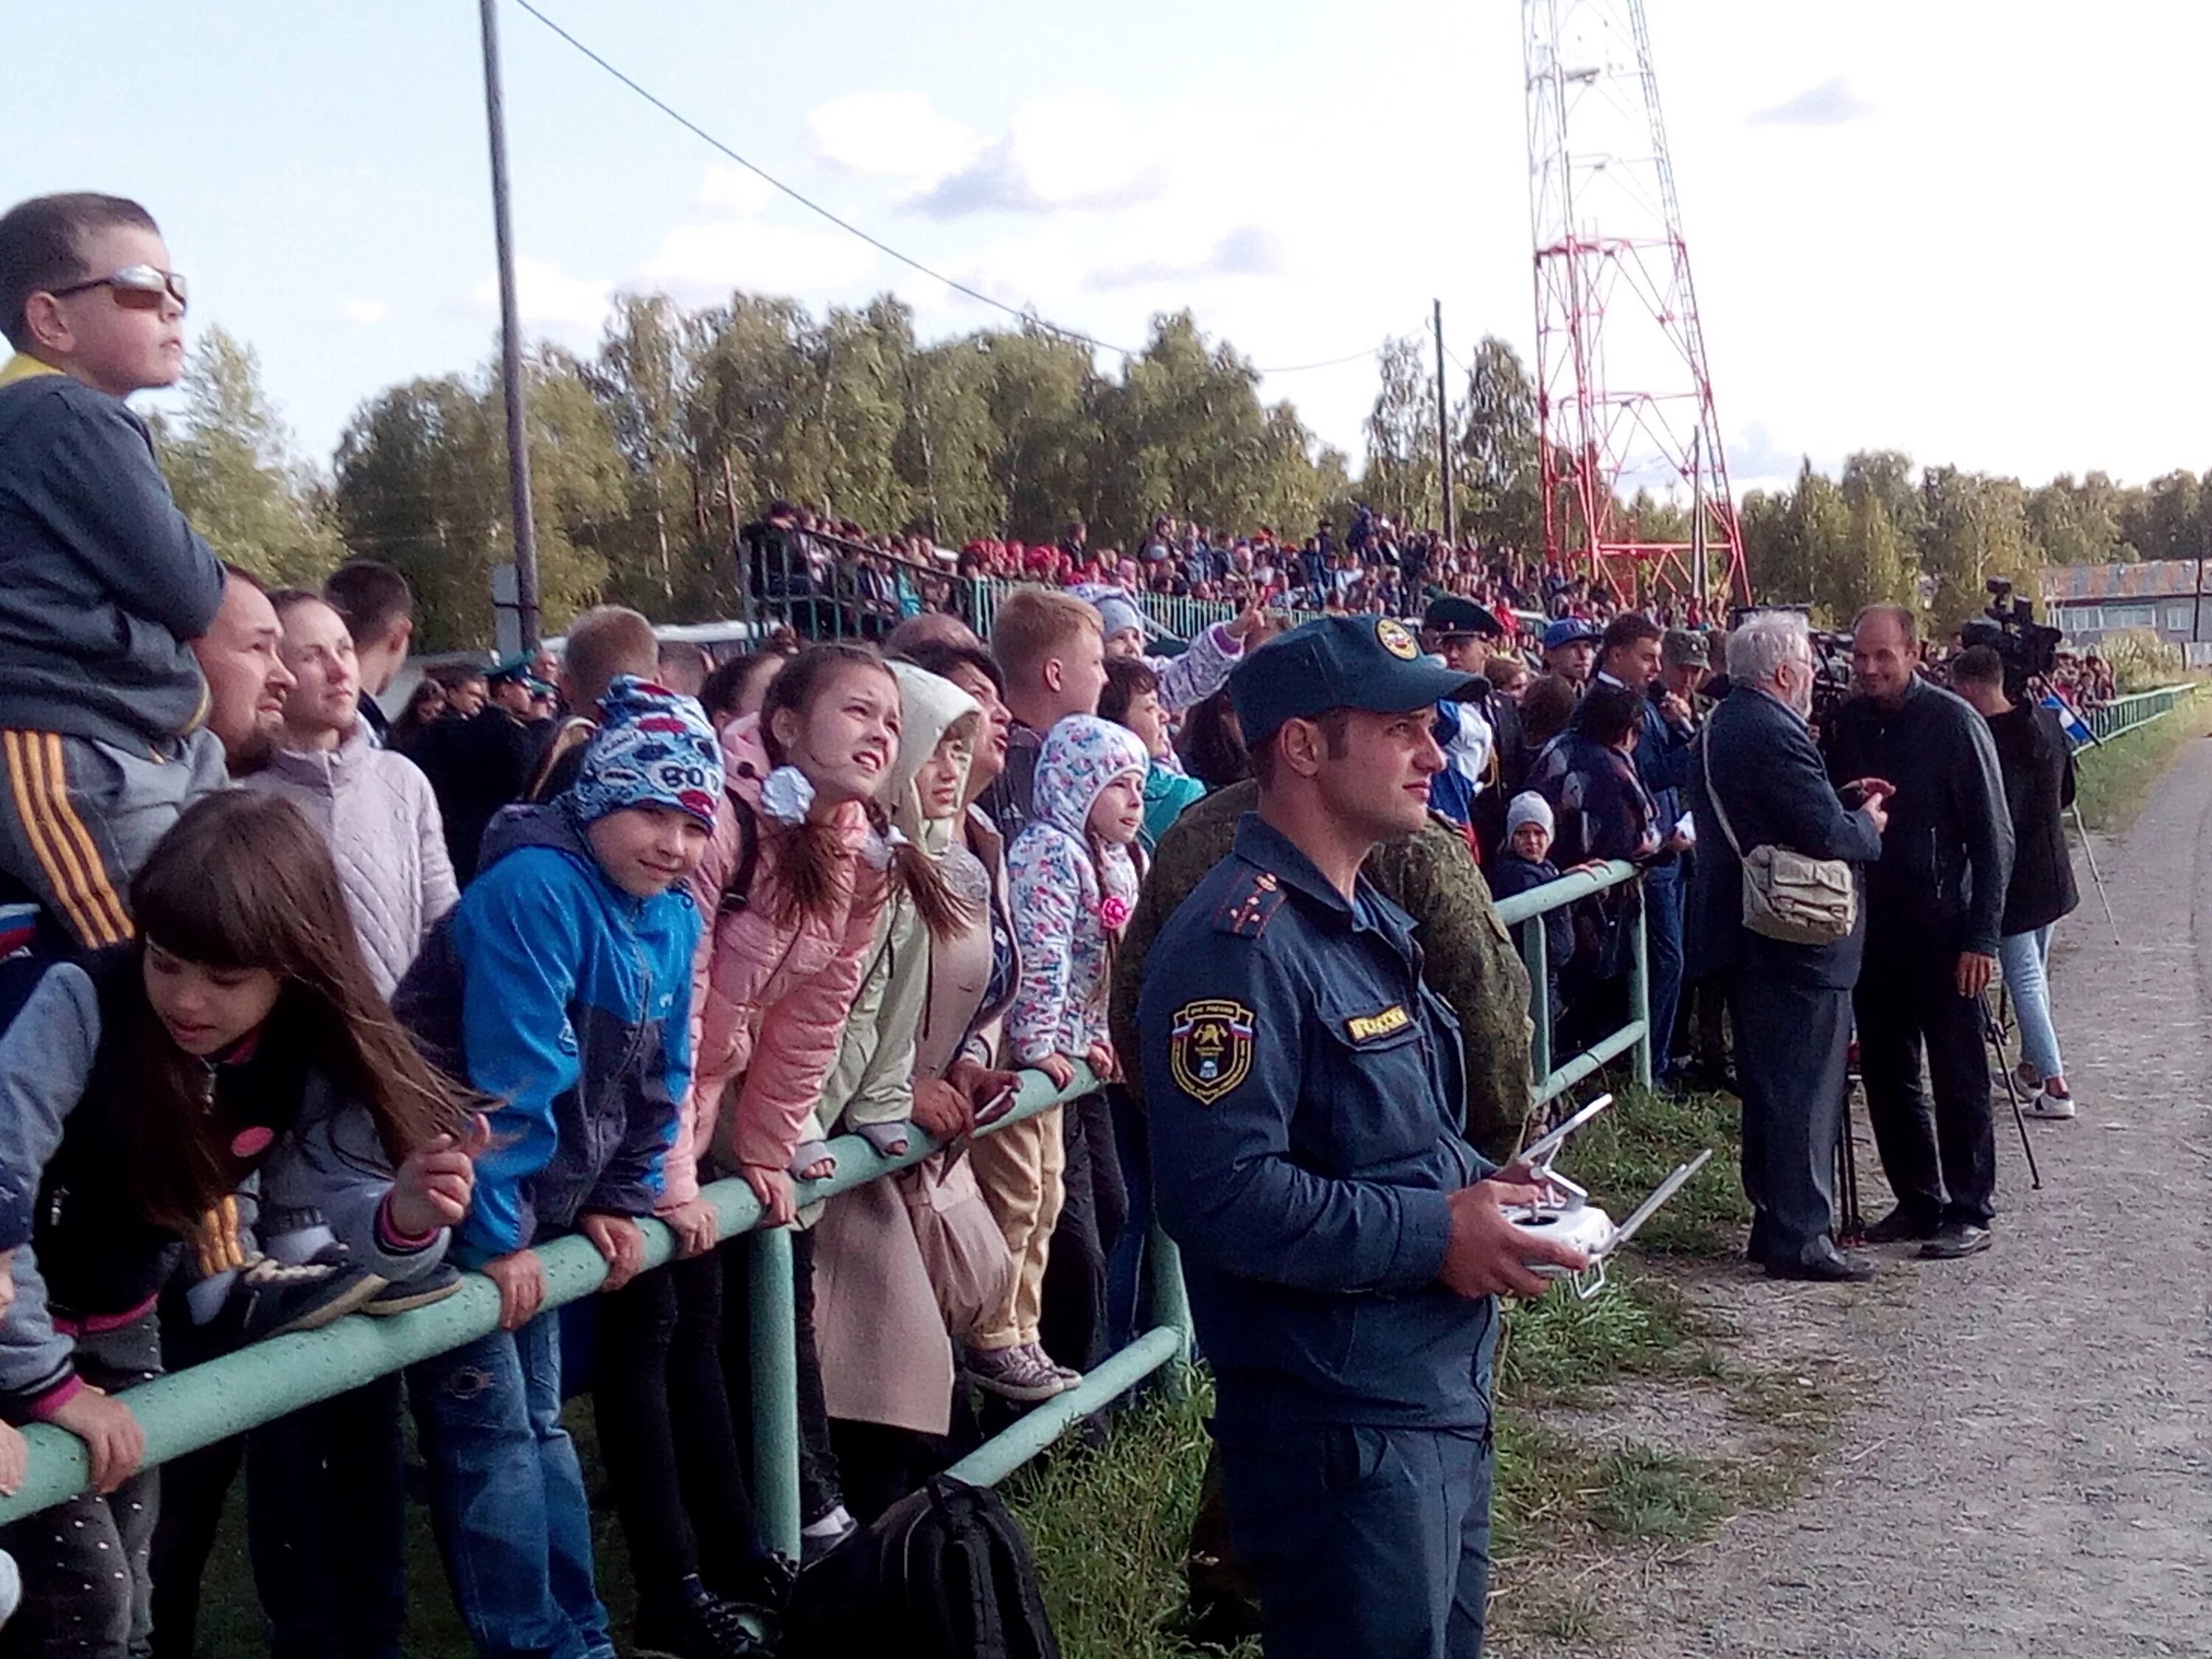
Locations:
column 102, row 583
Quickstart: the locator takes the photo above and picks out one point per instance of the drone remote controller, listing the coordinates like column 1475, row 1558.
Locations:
column 1564, row 1214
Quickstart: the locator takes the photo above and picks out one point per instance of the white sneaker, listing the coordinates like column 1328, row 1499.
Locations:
column 2048, row 1105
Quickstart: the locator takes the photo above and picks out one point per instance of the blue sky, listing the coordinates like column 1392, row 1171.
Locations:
column 1908, row 230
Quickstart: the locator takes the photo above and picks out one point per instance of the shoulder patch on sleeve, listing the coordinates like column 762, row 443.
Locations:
column 1250, row 905
column 1210, row 1043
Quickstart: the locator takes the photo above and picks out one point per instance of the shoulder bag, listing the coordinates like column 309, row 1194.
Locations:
column 1786, row 895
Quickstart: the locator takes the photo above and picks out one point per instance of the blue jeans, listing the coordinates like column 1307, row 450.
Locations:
column 507, row 1496
column 1663, row 924
column 2023, row 955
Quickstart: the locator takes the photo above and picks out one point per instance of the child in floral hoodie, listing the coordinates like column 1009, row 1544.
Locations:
column 1073, row 879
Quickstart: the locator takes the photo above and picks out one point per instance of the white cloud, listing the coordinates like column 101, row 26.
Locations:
column 1080, row 150
column 365, row 314
column 1831, row 104
column 891, row 135
column 1247, row 251
column 548, row 295
column 705, row 262
column 729, row 188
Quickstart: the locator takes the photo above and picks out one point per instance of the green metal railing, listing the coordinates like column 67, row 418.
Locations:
column 195, row 1408
column 2125, row 714
column 1526, row 911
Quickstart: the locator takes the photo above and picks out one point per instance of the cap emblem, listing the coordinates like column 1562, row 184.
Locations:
column 1390, row 633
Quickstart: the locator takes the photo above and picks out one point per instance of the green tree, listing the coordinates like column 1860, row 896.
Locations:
column 422, row 485
column 1048, row 457
column 2079, row 524
column 1183, row 432
column 234, row 471
column 661, row 553
column 1974, row 528
column 1499, row 476
column 2160, row 520
column 1400, row 477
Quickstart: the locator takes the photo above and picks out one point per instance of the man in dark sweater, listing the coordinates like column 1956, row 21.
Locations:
column 1935, row 905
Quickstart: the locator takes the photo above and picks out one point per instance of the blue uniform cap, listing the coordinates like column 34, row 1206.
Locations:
column 1568, row 629
column 1370, row 663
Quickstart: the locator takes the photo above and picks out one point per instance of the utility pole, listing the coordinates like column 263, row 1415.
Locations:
column 1443, row 427
column 2196, row 620
column 510, row 342
column 1698, row 576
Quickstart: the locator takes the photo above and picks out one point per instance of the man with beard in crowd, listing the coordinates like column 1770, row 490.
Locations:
column 1935, row 906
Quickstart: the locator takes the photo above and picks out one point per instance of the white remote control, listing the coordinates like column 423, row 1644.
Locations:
column 1566, row 1215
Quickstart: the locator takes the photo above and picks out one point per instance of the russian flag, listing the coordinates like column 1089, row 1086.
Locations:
column 2076, row 728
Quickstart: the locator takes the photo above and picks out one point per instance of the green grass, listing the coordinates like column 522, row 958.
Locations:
column 1109, row 1527
column 2115, row 778
column 1643, row 1493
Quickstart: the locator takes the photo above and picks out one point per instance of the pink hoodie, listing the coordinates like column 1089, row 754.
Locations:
column 769, row 1002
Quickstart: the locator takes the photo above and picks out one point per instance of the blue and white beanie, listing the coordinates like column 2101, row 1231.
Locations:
column 653, row 748
column 1117, row 611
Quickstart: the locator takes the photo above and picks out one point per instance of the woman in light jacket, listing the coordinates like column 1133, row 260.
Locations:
column 885, row 1328
column 372, row 806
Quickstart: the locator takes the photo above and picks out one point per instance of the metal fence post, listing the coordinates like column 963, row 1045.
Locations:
column 1639, row 986
column 1535, row 954
column 775, row 1332
column 1170, row 1305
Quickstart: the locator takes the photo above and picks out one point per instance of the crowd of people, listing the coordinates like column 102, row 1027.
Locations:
column 310, row 1010
column 1371, row 567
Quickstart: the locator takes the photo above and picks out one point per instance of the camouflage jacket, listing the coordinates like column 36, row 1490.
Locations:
column 1472, row 962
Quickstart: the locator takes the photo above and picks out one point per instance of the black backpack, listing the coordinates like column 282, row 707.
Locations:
column 944, row 1573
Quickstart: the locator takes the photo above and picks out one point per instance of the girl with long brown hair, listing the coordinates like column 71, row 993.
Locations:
column 235, row 1051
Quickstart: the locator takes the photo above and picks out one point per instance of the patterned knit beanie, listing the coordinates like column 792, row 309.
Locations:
column 653, row 748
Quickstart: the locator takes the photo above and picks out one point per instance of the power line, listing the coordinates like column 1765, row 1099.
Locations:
column 876, row 242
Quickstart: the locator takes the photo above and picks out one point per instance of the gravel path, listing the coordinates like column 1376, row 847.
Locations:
column 2031, row 1473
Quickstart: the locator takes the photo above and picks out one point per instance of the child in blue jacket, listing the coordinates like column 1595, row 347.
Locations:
column 560, row 987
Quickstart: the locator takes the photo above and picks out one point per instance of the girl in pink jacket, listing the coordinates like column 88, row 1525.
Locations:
column 791, row 888
column 808, row 867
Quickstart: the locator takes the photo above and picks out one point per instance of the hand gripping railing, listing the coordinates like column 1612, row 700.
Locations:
column 1527, row 911
column 197, row 1406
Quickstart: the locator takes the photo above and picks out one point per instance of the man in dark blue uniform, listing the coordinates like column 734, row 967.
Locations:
column 1342, row 1242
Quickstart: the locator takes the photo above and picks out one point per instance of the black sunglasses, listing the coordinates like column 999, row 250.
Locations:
column 136, row 287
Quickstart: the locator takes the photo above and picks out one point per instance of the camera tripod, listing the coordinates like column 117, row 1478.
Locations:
column 1851, row 1225
column 1994, row 1034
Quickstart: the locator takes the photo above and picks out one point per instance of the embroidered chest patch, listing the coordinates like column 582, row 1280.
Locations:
column 1210, row 1048
column 1366, row 1028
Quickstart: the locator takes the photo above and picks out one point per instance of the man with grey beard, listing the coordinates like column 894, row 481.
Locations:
column 1790, row 1005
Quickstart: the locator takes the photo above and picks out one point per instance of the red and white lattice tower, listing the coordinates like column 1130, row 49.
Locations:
column 1623, row 398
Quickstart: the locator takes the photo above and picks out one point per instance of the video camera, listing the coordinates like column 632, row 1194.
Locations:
column 2029, row 648
column 1831, row 658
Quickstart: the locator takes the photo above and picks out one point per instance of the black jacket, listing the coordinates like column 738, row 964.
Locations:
column 476, row 766
column 1947, row 855
column 2036, row 765
column 102, row 581
column 1768, row 774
